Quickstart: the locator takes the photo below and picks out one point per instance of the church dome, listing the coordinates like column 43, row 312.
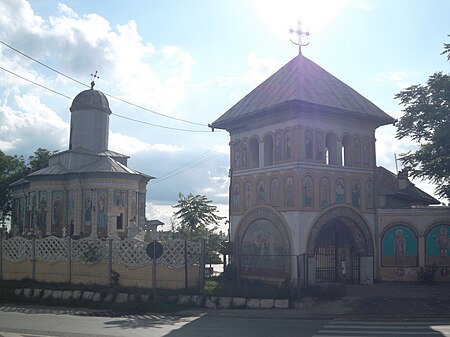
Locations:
column 90, row 99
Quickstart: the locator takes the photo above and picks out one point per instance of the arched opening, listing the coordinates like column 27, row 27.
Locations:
column 268, row 150
column 346, row 153
column 253, row 155
column 331, row 149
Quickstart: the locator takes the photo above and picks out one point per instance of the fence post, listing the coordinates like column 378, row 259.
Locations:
column 202, row 265
column 186, row 284
column 110, row 260
column 1, row 257
column 69, row 259
column 33, row 259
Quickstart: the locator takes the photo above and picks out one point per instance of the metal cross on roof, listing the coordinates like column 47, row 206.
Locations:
column 93, row 77
column 300, row 33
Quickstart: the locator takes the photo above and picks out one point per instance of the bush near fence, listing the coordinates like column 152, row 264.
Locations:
column 94, row 261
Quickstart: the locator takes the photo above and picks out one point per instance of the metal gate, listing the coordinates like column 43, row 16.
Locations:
column 336, row 257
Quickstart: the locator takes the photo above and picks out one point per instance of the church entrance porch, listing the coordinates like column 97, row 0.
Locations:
column 340, row 247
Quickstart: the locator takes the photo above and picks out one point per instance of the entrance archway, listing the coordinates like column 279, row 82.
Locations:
column 340, row 243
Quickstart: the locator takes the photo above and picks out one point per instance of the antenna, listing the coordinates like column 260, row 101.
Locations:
column 300, row 33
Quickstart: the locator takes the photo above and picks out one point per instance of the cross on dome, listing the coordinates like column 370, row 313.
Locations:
column 93, row 77
column 300, row 33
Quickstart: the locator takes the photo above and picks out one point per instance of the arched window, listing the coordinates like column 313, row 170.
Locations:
column 268, row 150
column 289, row 191
column 346, row 153
column 275, row 192
column 253, row 153
column 308, row 191
column 244, row 153
column 331, row 149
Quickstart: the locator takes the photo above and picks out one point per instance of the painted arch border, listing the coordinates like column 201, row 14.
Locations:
column 267, row 213
column 340, row 211
column 427, row 231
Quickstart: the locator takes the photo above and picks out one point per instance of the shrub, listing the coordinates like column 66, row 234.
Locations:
column 428, row 274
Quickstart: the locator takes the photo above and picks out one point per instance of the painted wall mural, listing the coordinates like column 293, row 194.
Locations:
column 57, row 212
column 87, row 213
column 399, row 247
column 42, row 213
column 262, row 250
column 438, row 246
column 102, row 212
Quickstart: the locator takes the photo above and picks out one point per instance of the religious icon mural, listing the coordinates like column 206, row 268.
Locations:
column 87, row 213
column 244, row 153
column 236, row 196
column 263, row 252
column 369, row 194
column 319, row 146
column 141, row 208
column 261, row 192
column 356, row 193
column 121, row 207
column 308, row 191
column 57, row 212
column 289, row 192
column 42, row 214
column 438, row 246
column 133, row 216
column 399, row 247
column 357, row 151
column 237, row 154
column 32, row 210
column 309, row 144
column 275, row 192
column 278, row 145
column 287, row 145
column 102, row 213
column 340, row 191
column 325, row 191
column 71, row 211
column 248, row 195
column 366, row 154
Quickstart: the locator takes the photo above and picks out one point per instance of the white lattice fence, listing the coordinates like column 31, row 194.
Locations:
column 52, row 249
column 130, row 252
column 90, row 251
column 17, row 249
column 173, row 255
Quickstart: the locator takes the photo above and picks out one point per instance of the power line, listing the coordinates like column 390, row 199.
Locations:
column 121, row 116
column 109, row 95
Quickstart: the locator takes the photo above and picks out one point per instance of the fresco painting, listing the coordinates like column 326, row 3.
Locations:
column 399, row 247
column 438, row 246
column 57, row 212
column 263, row 250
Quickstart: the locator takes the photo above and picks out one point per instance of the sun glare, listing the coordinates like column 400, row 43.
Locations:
column 279, row 16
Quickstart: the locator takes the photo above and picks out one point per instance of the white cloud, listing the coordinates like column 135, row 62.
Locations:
column 260, row 68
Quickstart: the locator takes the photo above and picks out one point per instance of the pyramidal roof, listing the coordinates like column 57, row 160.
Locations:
column 303, row 83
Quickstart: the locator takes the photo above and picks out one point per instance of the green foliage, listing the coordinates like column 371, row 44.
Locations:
column 115, row 278
column 426, row 120
column 196, row 219
column 13, row 168
column 428, row 274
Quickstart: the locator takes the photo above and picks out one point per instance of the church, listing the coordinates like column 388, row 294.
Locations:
column 86, row 190
column 308, row 203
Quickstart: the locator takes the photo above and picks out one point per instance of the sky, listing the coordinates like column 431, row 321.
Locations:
column 182, row 64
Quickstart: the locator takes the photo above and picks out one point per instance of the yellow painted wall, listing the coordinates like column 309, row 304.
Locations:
column 16, row 270
column 55, row 272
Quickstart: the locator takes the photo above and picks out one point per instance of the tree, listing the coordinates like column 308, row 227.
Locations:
column 426, row 120
column 13, row 168
column 198, row 220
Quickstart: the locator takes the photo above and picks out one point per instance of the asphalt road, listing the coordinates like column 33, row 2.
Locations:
column 25, row 321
